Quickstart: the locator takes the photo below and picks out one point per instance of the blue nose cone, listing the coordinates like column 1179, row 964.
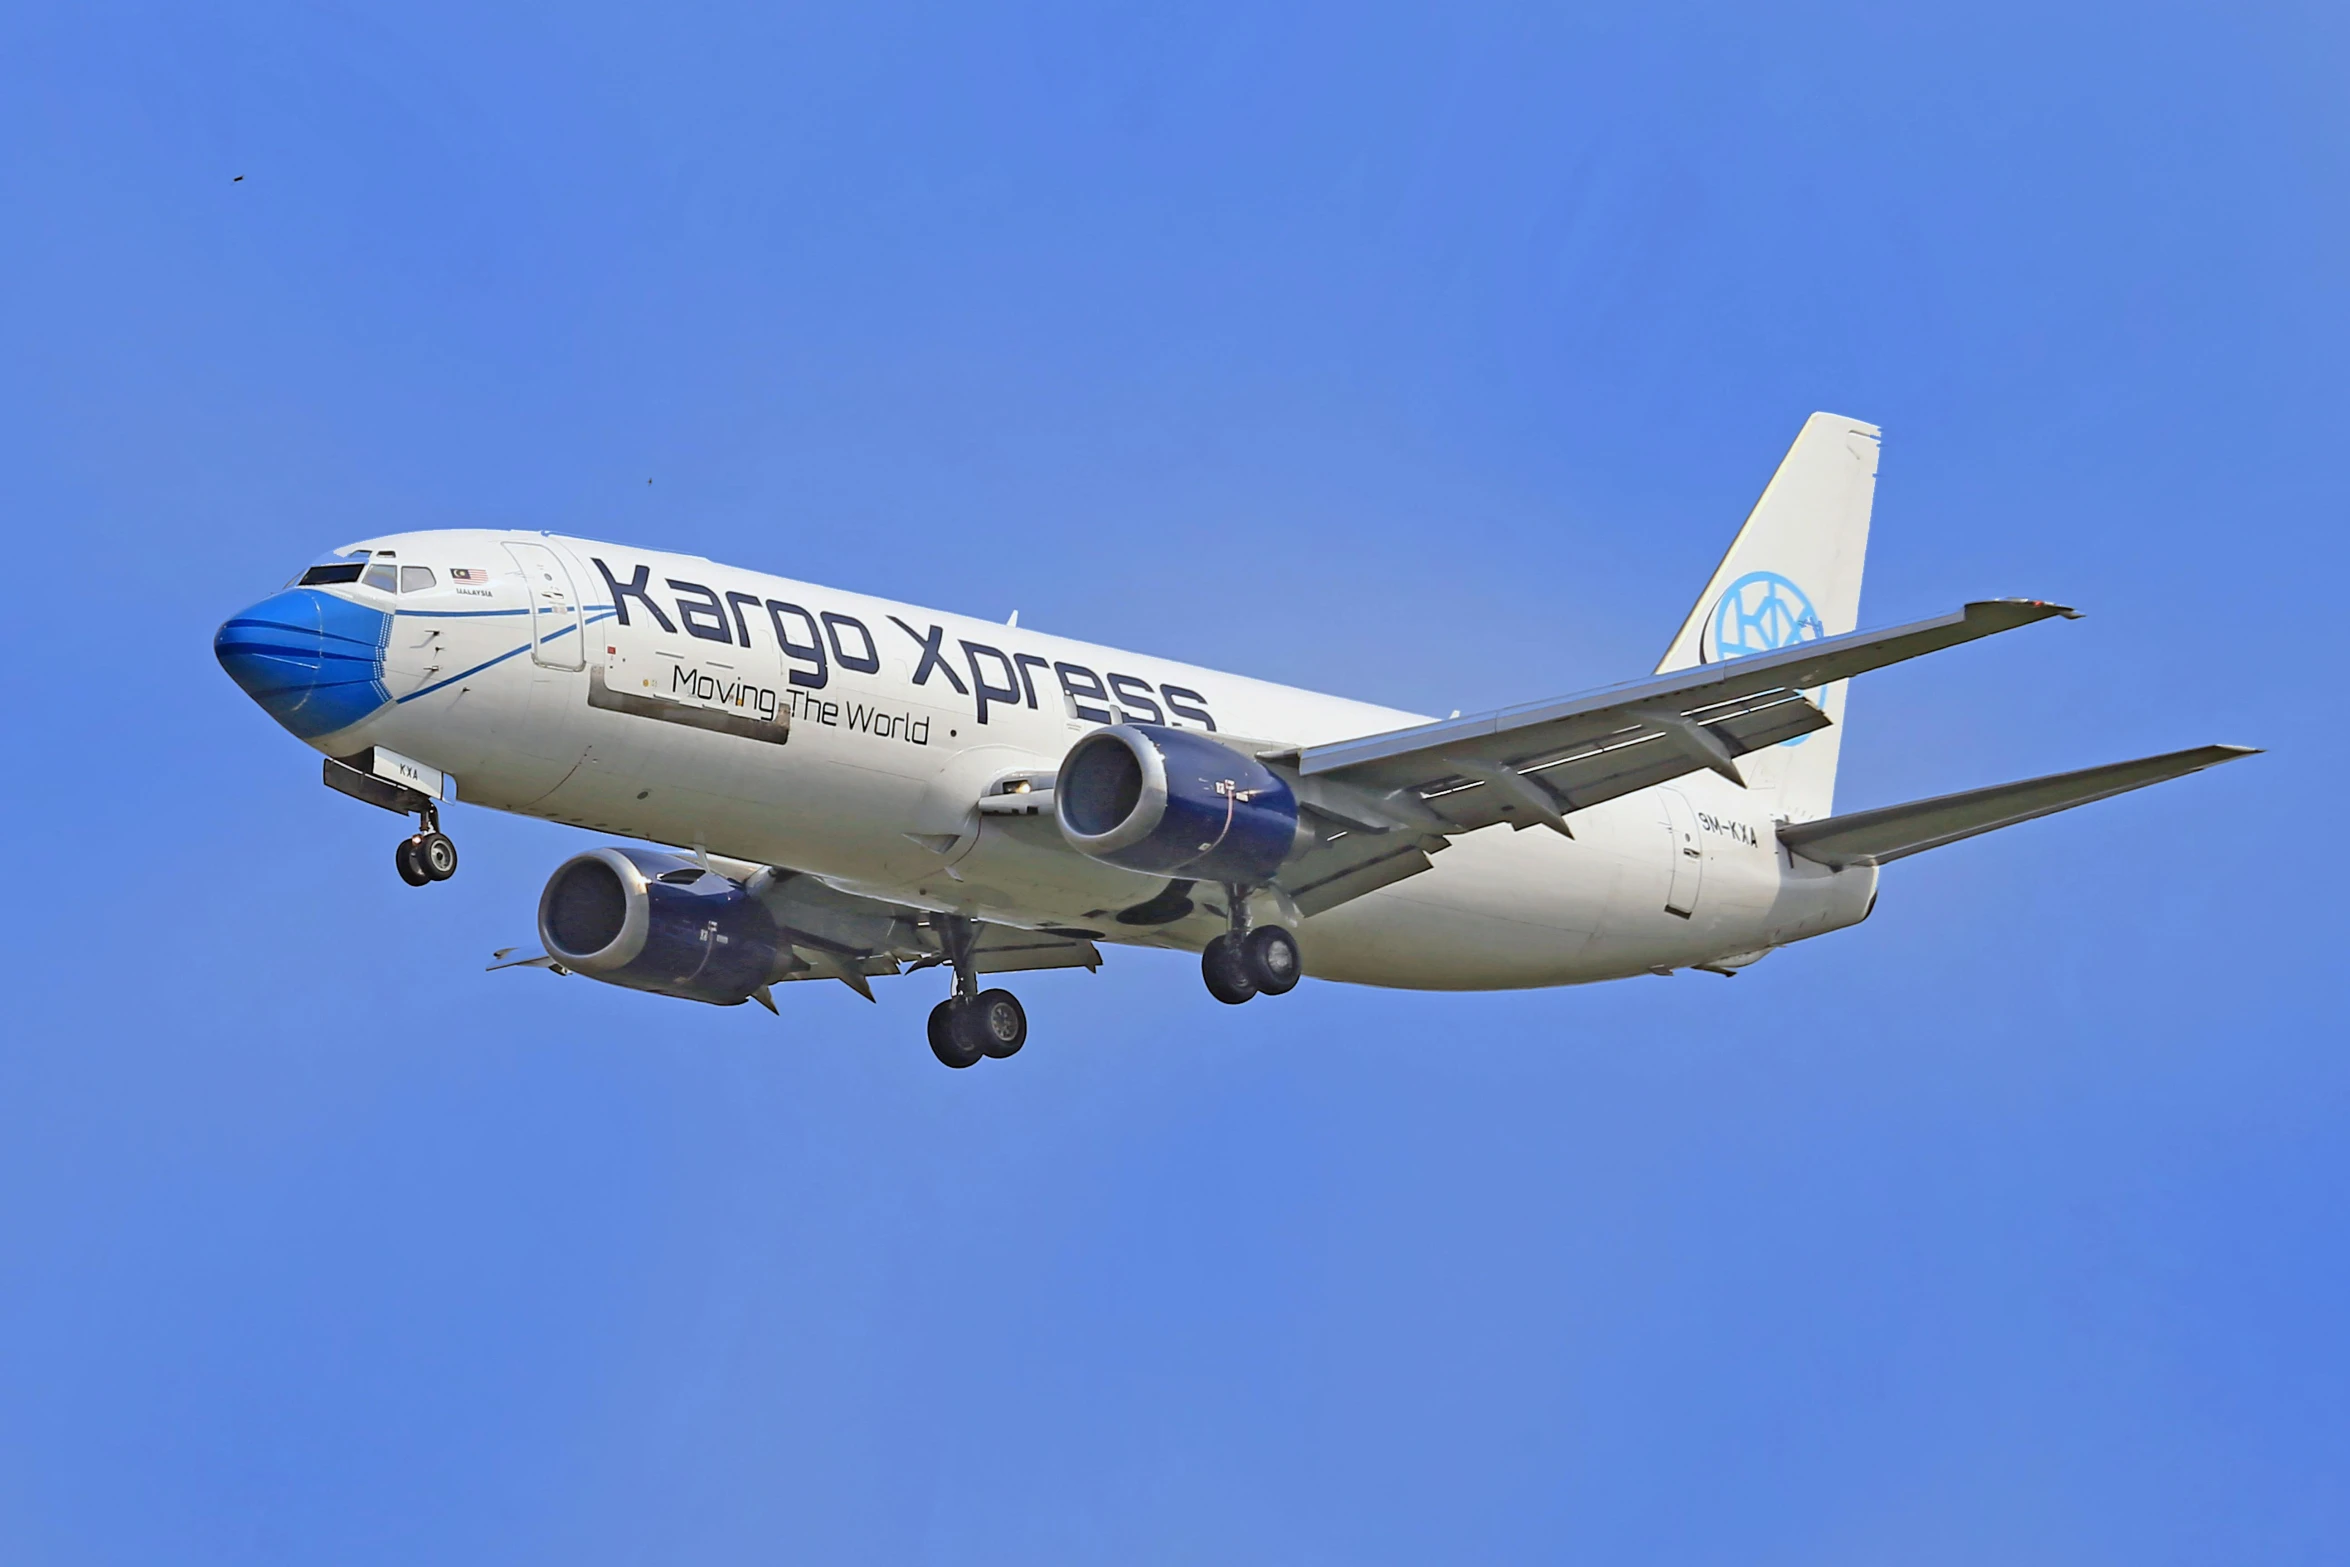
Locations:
column 313, row 661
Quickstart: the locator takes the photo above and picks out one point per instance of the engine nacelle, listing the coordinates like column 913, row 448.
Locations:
column 1173, row 802
column 657, row 922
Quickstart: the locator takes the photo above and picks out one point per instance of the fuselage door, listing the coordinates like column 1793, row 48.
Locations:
column 1688, row 854
column 554, row 607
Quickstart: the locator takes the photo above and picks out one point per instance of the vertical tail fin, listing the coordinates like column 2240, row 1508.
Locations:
column 1793, row 575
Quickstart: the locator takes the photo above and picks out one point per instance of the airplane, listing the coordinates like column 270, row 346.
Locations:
column 816, row 784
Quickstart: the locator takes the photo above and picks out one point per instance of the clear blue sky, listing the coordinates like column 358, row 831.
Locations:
column 1428, row 358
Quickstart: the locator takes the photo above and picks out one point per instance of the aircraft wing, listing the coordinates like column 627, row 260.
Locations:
column 1876, row 837
column 1539, row 762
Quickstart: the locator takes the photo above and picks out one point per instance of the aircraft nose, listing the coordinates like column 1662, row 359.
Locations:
column 313, row 661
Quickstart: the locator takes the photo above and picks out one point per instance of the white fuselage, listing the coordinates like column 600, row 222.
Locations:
column 874, row 789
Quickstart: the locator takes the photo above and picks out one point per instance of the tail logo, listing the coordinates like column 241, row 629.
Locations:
column 1759, row 613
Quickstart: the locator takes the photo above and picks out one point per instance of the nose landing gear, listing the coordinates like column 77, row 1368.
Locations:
column 972, row 1022
column 1243, row 963
column 430, row 855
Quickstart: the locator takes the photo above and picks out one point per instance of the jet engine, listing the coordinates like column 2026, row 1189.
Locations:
column 658, row 922
column 1173, row 802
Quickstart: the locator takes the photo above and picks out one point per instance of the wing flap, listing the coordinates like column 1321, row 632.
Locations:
column 1890, row 832
column 1008, row 949
column 1356, row 863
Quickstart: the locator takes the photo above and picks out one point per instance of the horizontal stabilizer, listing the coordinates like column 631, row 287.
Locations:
column 1874, row 837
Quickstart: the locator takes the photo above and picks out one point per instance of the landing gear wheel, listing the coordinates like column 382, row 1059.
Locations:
column 412, row 869
column 991, row 1022
column 436, row 856
column 1273, row 962
column 1224, row 964
column 943, row 1041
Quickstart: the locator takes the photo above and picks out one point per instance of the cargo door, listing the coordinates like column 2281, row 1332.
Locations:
column 1688, row 854
column 555, row 641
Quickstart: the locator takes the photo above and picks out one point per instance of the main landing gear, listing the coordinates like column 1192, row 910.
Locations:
column 429, row 856
column 972, row 1022
column 1242, row 963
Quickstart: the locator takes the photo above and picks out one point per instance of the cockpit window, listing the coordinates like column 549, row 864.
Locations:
column 370, row 568
column 341, row 566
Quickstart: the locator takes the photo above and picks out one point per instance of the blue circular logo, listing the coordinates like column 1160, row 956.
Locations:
column 1760, row 613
